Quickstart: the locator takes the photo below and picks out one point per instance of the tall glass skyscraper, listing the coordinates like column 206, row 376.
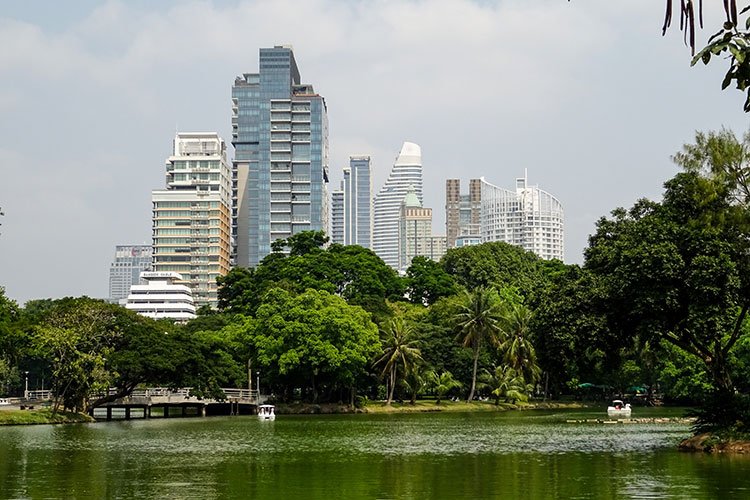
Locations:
column 358, row 202
column 280, row 136
column 125, row 270
column 407, row 171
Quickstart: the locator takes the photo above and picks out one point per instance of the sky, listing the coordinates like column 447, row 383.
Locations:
column 586, row 96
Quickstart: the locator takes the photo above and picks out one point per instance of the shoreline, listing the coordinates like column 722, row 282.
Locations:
column 421, row 406
column 714, row 444
column 42, row 416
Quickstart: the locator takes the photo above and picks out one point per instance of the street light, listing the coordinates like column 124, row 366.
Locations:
column 26, row 390
column 258, row 384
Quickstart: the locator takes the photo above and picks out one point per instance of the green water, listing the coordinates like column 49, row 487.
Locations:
column 480, row 455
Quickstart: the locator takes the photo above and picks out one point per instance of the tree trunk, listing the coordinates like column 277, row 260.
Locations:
column 391, row 385
column 473, row 376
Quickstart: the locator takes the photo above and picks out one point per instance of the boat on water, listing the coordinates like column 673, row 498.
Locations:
column 266, row 412
column 618, row 409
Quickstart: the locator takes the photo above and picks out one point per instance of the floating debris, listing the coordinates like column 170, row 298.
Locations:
column 651, row 420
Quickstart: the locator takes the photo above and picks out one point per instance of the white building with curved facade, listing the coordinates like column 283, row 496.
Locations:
column 528, row 217
column 407, row 171
column 161, row 297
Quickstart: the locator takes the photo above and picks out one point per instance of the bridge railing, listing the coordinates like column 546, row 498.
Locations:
column 39, row 395
column 183, row 393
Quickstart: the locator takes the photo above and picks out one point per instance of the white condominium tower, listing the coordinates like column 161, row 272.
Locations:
column 192, row 216
column 407, row 171
column 527, row 217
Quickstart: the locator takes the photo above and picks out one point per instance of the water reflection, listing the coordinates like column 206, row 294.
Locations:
column 511, row 455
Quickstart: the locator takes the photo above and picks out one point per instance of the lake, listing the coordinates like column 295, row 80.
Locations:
column 530, row 454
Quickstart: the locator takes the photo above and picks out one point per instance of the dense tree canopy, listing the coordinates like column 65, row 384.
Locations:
column 352, row 272
column 678, row 270
column 314, row 340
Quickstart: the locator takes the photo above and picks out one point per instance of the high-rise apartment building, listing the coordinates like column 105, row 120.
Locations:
column 358, row 202
column 528, row 217
column 407, row 171
column 280, row 171
column 462, row 211
column 192, row 216
column 337, row 215
column 126, row 268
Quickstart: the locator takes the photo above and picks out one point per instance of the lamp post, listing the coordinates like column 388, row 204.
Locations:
column 258, row 384
column 26, row 389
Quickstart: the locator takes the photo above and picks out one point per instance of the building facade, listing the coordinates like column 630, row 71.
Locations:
column 527, row 217
column 280, row 170
column 415, row 233
column 126, row 268
column 337, row 216
column 162, row 297
column 462, row 211
column 358, row 202
column 406, row 172
column 192, row 216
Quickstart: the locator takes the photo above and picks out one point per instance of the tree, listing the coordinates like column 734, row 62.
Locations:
column 516, row 347
column 504, row 382
column 355, row 273
column 311, row 341
column 733, row 39
column 400, row 349
column 497, row 264
column 76, row 337
column 478, row 320
column 427, row 281
column 442, row 383
column 679, row 270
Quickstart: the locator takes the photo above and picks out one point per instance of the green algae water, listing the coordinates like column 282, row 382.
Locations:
column 532, row 454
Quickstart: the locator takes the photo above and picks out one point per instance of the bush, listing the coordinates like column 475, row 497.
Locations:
column 723, row 413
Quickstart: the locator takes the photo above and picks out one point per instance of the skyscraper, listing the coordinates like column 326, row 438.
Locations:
column 407, row 171
column 528, row 217
column 462, row 211
column 280, row 136
column 358, row 202
column 192, row 216
column 415, row 233
column 125, row 270
column 337, row 216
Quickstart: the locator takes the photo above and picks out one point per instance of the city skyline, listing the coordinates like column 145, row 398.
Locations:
column 593, row 107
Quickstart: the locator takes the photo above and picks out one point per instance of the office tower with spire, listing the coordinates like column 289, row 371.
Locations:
column 280, row 171
column 406, row 172
column 192, row 216
column 415, row 236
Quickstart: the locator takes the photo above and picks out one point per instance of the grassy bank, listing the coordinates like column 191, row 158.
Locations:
column 422, row 406
column 41, row 416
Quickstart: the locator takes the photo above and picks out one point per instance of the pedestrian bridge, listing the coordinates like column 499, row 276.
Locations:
column 162, row 402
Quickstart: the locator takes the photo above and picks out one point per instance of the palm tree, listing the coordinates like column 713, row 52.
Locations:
column 442, row 383
column 414, row 381
column 505, row 383
column 478, row 320
column 517, row 350
column 399, row 349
